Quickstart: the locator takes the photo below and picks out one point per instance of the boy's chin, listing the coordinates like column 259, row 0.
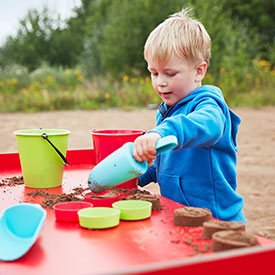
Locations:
column 169, row 102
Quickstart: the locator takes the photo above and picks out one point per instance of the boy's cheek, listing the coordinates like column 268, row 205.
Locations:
column 155, row 87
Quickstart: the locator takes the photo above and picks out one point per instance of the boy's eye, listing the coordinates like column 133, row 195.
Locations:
column 171, row 74
column 154, row 74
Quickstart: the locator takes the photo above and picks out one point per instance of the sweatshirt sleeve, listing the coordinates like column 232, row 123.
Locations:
column 149, row 176
column 203, row 126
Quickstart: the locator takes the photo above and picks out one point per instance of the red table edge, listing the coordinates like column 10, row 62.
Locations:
column 252, row 260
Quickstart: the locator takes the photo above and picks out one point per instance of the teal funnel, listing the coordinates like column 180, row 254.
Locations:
column 121, row 166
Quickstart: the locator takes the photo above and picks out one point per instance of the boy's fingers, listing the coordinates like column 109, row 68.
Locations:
column 148, row 151
column 136, row 152
column 151, row 149
column 140, row 153
column 144, row 149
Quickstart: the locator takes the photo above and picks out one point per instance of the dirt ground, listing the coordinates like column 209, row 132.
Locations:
column 256, row 155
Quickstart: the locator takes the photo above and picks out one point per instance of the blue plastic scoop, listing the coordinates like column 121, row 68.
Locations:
column 20, row 226
column 121, row 166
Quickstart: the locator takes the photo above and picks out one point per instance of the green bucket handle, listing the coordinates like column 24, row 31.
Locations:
column 45, row 136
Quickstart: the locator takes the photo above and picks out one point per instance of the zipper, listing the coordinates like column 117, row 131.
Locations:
column 164, row 112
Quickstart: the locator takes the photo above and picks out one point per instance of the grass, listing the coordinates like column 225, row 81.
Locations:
column 66, row 89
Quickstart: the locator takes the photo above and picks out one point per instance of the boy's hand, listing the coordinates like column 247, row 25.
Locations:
column 144, row 148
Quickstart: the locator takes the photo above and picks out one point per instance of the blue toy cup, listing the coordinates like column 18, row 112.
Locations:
column 121, row 166
column 118, row 167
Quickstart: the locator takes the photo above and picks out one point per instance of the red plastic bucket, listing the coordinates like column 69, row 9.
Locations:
column 107, row 141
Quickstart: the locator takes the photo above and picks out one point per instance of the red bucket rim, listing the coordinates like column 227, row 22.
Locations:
column 116, row 132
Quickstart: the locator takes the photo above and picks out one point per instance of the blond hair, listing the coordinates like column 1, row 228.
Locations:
column 180, row 35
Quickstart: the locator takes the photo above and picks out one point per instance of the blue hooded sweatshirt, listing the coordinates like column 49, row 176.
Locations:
column 201, row 170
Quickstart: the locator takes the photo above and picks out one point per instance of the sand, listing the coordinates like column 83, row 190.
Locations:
column 256, row 155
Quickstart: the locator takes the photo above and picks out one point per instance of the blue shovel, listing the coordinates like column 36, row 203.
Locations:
column 121, row 166
column 20, row 226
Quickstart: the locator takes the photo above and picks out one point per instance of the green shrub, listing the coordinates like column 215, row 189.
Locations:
column 62, row 89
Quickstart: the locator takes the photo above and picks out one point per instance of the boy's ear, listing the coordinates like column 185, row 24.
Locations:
column 201, row 69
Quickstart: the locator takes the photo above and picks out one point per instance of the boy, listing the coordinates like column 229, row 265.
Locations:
column 201, row 171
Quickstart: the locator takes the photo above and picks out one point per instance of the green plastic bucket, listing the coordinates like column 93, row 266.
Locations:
column 41, row 152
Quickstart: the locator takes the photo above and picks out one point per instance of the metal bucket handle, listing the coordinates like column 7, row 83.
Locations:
column 45, row 136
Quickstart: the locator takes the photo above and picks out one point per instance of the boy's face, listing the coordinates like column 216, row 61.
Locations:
column 173, row 80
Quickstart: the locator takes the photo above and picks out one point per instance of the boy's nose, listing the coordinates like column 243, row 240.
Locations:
column 162, row 82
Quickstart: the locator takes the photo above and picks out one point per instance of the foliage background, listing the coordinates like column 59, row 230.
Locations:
column 95, row 59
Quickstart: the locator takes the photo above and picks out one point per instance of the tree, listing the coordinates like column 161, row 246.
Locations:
column 30, row 45
column 232, row 46
column 95, row 20
column 43, row 37
column 128, row 24
column 259, row 16
column 126, row 30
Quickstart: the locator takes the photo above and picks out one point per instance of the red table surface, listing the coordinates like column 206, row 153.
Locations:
column 150, row 246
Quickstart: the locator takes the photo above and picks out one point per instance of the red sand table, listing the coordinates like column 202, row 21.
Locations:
column 151, row 246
